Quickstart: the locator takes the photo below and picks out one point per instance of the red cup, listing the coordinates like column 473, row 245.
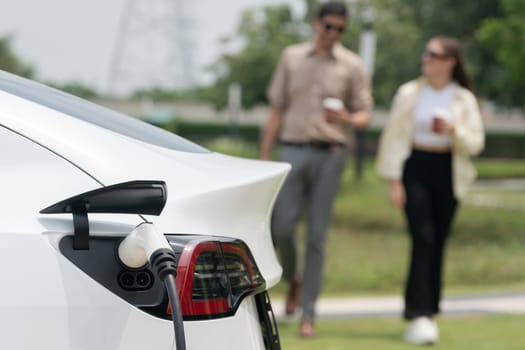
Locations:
column 435, row 125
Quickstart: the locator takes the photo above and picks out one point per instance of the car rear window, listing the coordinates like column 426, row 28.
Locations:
column 95, row 114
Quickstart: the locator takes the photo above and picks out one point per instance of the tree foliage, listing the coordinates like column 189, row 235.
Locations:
column 494, row 56
column 404, row 27
column 506, row 37
column 10, row 62
column 263, row 33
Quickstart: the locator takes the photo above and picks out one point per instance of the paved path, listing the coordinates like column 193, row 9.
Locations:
column 498, row 193
column 359, row 307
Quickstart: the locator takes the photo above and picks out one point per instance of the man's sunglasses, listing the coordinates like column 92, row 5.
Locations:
column 434, row 55
column 329, row 27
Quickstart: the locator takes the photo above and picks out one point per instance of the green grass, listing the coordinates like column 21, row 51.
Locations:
column 494, row 332
column 498, row 168
column 368, row 247
column 227, row 145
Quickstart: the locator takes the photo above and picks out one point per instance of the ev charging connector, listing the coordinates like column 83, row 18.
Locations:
column 141, row 244
column 147, row 243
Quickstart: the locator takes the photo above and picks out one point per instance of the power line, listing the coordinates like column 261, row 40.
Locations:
column 153, row 48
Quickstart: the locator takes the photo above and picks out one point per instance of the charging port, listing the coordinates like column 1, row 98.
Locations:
column 135, row 280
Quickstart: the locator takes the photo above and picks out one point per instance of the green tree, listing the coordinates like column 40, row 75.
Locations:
column 10, row 62
column 263, row 34
column 311, row 7
column 403, row 27
column 399, row 42
column 462, row 19
column 506, row 37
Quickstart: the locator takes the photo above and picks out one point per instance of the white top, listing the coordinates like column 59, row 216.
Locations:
column 396, row 138
column 433, row 103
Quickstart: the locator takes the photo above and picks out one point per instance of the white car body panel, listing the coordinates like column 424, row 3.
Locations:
column 207, row 334
column 49, row 300
column 208, row 183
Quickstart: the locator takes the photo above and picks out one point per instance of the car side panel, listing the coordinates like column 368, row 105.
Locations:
column 48, row 303
column 45, row 301
column 31, row 179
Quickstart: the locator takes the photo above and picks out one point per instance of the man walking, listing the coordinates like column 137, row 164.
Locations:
column 313, row 140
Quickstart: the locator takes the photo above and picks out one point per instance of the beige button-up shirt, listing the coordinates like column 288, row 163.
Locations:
column 303, row 79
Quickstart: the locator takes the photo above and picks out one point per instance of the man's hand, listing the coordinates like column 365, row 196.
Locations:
column 343, row 116
column 270, row 134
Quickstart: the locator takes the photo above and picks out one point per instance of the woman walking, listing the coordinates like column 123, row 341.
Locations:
column 434, row 128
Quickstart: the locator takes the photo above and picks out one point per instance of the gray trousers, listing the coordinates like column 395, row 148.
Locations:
column 311, row 185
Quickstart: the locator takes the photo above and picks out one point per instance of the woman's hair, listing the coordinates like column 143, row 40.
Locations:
column 453, row 49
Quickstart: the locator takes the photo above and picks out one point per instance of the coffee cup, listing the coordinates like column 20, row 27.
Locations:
column 332, row 104
column 438, row 115
column 435, row 125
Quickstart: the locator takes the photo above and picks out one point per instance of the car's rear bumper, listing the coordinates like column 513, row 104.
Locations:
column 243, row 331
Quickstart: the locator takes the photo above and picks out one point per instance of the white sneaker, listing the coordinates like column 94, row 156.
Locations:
column 422, row 331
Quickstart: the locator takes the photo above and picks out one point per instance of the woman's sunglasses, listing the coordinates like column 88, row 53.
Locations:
column 434, row 55
column 330, row 27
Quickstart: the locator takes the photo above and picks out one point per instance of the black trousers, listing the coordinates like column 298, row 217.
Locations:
column 429, row 211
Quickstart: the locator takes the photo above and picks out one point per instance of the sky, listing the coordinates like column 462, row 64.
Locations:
column 75, row 40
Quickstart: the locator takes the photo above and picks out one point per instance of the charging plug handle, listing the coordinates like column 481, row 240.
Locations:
column 146, row 243
column 164, row 262
column 141, row 244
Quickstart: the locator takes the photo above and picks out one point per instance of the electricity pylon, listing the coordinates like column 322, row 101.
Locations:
column 153, row 48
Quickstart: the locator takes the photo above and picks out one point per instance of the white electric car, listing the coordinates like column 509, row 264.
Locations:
column 75, row 180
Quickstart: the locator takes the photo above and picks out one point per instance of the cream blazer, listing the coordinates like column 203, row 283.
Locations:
column 396, row 139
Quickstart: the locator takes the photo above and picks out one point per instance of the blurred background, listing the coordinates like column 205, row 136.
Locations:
column 210, row 61
column 200, row 68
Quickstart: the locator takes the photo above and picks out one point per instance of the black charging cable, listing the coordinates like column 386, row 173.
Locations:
column 165, row 264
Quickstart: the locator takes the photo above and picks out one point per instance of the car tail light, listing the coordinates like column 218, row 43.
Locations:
column 213, row 276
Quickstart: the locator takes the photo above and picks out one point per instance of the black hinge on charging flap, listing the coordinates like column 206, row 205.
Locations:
column 267, row 321
column 146, row 197
column 81, row 227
